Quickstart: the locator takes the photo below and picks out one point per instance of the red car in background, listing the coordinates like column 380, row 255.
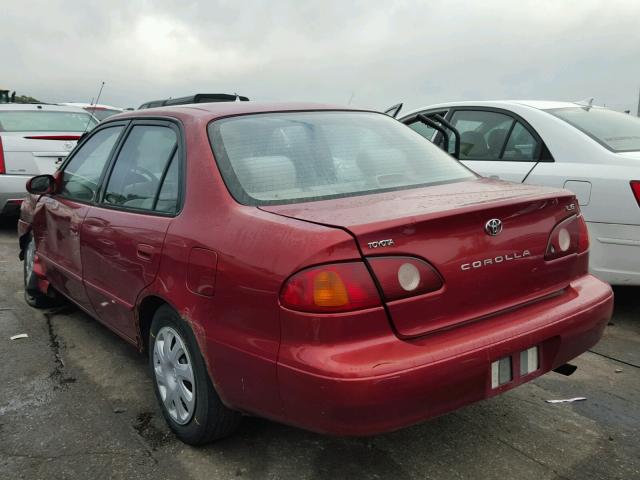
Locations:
column 322, row 267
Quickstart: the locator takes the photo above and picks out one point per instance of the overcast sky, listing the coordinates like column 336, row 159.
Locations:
column 379, row 52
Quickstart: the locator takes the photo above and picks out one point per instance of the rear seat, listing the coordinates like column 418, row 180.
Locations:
column 266, row 173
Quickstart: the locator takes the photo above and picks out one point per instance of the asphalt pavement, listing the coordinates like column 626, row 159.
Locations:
column 77, row 402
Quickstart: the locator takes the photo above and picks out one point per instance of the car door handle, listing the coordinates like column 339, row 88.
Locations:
column 145, row 252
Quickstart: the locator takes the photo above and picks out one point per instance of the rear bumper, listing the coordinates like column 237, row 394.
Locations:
column 385, row 383
column 614, row 256
column 12, row 192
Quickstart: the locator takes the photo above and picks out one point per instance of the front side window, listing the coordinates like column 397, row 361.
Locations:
column 45, row 121
column 617, row 131
column 425, row 130
column 81, row 175
column 292, row 157
column 140, row 167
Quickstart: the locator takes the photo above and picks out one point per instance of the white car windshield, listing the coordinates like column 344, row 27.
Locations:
column 45, row 121
column 290, row 157
column 617, row 131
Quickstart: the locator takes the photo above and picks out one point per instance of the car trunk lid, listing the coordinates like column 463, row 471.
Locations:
column 445, row 225
column 33, row 153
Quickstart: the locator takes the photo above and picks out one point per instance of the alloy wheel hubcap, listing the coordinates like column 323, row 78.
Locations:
column 174, row 375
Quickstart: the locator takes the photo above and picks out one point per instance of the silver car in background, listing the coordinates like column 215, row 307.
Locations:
column 34, row 140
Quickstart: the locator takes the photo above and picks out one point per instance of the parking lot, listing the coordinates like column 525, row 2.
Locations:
column 77, row 402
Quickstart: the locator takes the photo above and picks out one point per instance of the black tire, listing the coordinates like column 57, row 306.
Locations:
column 34, row 297
column 211, row 419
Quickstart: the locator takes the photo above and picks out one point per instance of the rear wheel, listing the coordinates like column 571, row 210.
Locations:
column 34, row 297
column 189, row 403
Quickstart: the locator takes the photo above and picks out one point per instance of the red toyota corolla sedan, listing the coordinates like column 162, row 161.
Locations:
column 323, row 267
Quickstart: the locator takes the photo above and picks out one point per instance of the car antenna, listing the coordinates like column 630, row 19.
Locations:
column 98, row 98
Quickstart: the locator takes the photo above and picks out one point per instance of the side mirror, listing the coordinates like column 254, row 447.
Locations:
column 41, row 184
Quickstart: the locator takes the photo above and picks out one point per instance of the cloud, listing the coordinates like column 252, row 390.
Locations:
column 379, row 52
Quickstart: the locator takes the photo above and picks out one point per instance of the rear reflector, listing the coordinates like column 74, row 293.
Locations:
column 635, row 187
column 568, row 237
column 529, row 361
column 2, row 166
column 339, row 287
column 501, row 372
column 401, row 277
column 53, row 137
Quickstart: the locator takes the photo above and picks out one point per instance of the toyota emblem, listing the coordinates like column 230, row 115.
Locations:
column 493, row 227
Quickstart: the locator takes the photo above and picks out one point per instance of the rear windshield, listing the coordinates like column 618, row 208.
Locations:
column 45, row 121
column 101, row 113
column 617, row 131
column 279, row 158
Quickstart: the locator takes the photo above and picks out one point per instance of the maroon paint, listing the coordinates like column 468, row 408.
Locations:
column 121, row 254
column 346, row 373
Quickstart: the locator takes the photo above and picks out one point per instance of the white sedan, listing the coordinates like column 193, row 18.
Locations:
column 35, row 139
column 592, row 151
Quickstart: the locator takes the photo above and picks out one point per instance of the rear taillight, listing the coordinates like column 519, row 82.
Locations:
column 338, row 287
column 2, row 166
column 54, row 137
column 401, row 277
column 568, row 237
column 583, row 235
column 635, row 187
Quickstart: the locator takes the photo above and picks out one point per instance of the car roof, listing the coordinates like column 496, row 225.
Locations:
column 537, row 104
column 91, row 105
column 225, row 109
column 41, row 107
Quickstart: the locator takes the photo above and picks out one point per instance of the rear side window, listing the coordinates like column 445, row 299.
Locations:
column 45, row 121
column 521, row 146
column 141, row 166
column 169, row 193
column 299, row 156
column 81, row 175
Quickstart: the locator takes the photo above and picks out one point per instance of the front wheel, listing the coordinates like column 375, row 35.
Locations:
column 189, row 403
column 34, row 297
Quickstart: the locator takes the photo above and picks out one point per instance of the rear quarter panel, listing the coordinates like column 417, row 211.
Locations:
column 238, row 327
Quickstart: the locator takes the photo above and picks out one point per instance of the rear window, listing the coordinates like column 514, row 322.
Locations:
column 101, row 113
column 617, row 131
column 45, row 121
column 280, row 158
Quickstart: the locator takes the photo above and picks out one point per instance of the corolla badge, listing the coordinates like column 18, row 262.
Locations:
column 493, row 227
column 507, row 257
